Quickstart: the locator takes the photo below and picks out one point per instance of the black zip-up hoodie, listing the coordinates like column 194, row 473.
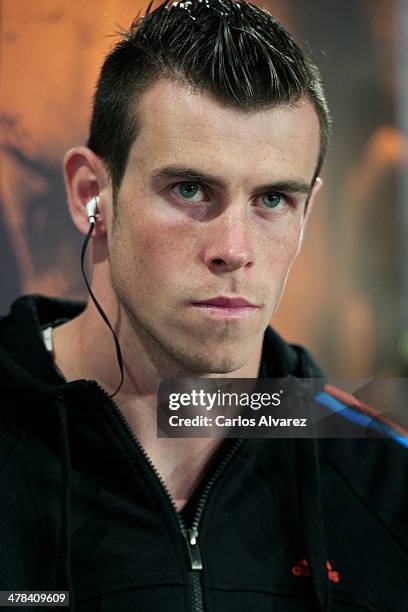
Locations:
column 278, row 525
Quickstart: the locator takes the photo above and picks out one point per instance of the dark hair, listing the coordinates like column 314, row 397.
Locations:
column 235, row 52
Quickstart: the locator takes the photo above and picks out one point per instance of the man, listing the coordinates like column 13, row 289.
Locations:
column 208, row 134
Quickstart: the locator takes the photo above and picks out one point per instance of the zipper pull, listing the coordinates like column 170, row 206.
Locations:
column 193, row 549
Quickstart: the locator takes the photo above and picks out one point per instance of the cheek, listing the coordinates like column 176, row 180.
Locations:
column 280, row 248
column 152, row 248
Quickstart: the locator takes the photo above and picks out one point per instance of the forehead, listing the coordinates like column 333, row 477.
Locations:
column 179, row 125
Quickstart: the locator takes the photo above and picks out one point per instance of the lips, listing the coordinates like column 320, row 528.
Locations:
column 225, row 302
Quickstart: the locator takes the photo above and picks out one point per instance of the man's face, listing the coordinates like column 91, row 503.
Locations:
column 212, row 205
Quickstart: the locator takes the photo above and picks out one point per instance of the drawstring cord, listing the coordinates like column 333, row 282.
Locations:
column 64, row 561
column 312, row 517
column 308, row 474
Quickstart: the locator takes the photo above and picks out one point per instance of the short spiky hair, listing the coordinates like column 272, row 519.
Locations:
column 235, row 52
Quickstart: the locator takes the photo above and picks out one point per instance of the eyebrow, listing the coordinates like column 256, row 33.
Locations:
column 193, row 175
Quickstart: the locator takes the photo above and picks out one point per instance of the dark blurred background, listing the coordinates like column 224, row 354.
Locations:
column 347, row 293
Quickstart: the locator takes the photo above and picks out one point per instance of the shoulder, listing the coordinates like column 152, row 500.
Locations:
column 371, row 470
column 378, row 448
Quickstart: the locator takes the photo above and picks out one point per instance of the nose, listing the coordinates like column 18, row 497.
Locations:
column 228, row 244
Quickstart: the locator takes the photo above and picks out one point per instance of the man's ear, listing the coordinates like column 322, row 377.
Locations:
column 86, row 177
column 317, row 185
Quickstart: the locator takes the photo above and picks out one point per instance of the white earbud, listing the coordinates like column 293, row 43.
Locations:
column 92, row 209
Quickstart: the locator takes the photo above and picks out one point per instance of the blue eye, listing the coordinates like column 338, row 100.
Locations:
column 188, row 191
column 271, row 200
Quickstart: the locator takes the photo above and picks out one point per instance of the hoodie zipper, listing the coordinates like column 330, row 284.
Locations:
column 190, row 536
column 192, row 539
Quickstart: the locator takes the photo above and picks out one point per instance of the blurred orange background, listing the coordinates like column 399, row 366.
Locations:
column 342, row 299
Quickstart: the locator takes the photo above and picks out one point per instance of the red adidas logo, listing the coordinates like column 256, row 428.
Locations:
column 302, row 569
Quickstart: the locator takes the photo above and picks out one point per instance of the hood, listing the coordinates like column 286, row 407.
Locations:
column 24, row 361
column 26, row 364
column 23, row 356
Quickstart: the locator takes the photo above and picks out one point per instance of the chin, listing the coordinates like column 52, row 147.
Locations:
column 207, row 363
